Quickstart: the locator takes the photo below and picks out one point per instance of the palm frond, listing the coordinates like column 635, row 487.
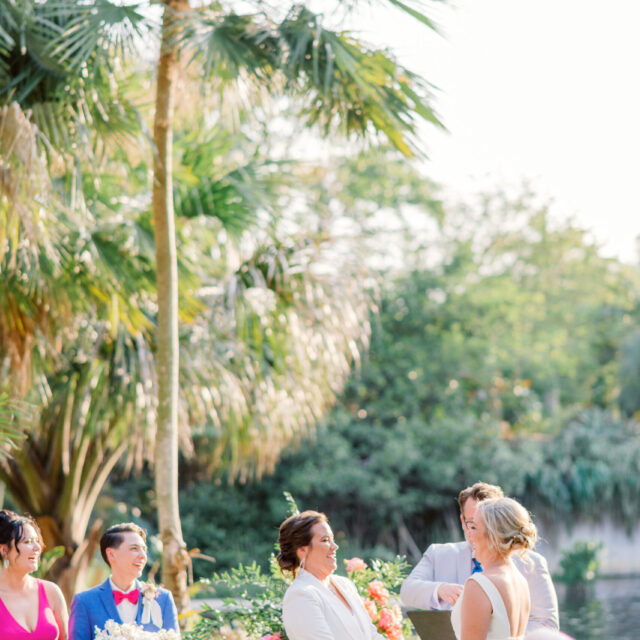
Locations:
column 277, row 346
column 97, row 29
column 76, row 107
column 341, row 84
column 415, row 12
column 11, row 435
column 345, row 85
column 219, row 175
column 25, row 187
column 229, row 45
column 97, row 399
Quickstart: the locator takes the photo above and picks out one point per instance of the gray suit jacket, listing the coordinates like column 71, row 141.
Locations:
column 451, row 562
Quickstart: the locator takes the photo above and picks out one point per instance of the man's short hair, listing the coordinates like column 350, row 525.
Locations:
column 112, row 538
column 479, row 491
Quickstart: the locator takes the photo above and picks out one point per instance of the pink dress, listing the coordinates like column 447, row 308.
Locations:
column 46, row 628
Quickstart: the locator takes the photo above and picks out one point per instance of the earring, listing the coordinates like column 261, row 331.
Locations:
column 5, row 563
column 302, row 562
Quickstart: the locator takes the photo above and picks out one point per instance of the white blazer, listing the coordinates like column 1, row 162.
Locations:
column 451, row 562
column 311, row 612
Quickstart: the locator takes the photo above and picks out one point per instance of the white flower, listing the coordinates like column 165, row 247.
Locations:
column 114, row 631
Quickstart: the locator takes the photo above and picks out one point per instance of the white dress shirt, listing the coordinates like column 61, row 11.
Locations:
column 127, row 610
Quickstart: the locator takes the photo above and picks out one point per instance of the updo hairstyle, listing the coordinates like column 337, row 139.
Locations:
column 12, row 528
column 295, row 532
column 508, row 524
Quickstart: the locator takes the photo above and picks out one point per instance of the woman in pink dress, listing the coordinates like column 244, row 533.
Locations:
column 30, row 609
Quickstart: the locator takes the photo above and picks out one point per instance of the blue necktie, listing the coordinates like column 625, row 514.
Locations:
column 477, row 567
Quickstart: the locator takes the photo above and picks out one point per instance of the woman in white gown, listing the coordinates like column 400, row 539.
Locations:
column 495, row 602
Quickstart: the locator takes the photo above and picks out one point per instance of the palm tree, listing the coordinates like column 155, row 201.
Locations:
column 92, row 417
column 338, row 83
column 334, row 83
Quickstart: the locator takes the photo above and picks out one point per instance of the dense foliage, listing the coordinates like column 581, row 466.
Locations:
column 503, row 363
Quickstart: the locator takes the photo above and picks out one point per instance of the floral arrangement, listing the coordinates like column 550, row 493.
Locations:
column 378, row 601
column 115, row 631
column 254, row 610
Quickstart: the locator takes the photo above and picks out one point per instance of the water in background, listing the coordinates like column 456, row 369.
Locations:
column 610, row 610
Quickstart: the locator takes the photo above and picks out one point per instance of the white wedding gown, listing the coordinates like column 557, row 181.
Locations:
column 499, row 627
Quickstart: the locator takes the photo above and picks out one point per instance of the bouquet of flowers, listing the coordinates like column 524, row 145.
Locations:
column 372, row 585
column 115, row 631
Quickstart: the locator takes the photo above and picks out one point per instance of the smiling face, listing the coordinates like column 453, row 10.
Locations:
column 468, row 515
column 128, row 559
column 476, row 534
column 320, row 555
column 25, row 556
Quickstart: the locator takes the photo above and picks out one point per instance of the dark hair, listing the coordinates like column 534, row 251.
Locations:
column 479, row 491
column 12, row 528
column 295, row 532
column 112, row 538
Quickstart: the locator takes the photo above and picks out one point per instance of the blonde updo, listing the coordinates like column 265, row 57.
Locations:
column 508, row 524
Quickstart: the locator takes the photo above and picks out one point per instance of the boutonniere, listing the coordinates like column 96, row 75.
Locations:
column 148, row 591
column 151, row 611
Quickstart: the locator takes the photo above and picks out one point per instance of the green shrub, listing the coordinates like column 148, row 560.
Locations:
column 580, row 564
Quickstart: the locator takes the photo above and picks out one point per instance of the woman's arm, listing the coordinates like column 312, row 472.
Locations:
column 58, row 606
column 476, row 612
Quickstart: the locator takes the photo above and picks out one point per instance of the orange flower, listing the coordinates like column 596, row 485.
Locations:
column 387, row 619
column 371, row 608
column 394, row 632
column 378, row 592
column 355, row 564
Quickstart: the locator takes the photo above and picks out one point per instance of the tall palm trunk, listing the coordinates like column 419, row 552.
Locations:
column 174, row 555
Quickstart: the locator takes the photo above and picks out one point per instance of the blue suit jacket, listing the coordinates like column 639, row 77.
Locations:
column 92, row 608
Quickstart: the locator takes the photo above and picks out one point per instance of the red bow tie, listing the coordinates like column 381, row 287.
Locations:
column 132, row 596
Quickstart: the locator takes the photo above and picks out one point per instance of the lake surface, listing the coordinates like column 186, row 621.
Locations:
column 609, row 610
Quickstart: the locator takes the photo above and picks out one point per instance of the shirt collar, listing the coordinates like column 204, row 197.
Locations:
column 114, row 588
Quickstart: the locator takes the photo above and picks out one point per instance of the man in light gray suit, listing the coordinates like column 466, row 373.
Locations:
column 437, row 580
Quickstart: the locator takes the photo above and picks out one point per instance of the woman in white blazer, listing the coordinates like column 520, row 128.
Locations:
column 318, row 605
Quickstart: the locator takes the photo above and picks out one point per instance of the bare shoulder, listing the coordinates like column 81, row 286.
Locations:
column 54, row 594
column 475, row 596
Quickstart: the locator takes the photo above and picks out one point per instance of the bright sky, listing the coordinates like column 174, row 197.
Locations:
column 544, row 90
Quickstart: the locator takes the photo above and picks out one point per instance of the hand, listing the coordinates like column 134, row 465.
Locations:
column 449, row 592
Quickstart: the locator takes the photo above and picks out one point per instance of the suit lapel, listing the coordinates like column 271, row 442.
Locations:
column 105, row 594
column 463, row 568
column 359, row 613
column 139, row 612
column 338, row 608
